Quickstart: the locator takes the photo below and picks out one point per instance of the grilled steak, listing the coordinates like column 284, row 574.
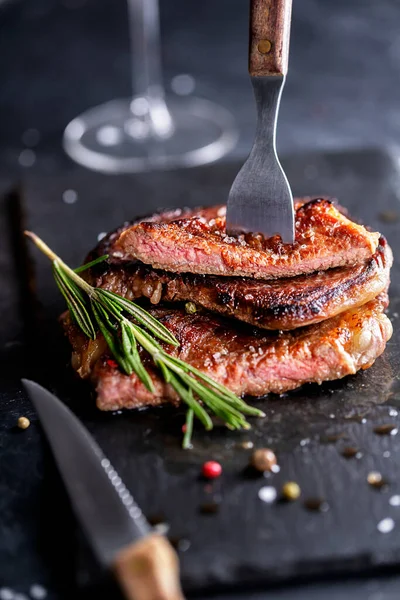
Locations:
column 247, row 361
column 196, row 242
column 276, row 304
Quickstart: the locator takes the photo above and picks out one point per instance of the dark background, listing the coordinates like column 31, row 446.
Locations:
column 58, row 58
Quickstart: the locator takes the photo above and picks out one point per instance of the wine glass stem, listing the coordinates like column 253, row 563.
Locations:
column 148, row 102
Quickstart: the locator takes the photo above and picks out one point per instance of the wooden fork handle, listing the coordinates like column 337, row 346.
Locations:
column 269, row 37
column 149, row 570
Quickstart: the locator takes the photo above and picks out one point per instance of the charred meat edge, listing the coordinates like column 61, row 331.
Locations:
column 277, row 304
column 197, row 243
column 248, row 361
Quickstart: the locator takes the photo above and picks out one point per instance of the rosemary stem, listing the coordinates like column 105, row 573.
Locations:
column 54, row 258
column 41, row 245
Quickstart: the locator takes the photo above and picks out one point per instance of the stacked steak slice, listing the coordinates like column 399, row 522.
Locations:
column 254, row 314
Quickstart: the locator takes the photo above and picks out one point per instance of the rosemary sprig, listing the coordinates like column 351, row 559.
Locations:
column 125, row 325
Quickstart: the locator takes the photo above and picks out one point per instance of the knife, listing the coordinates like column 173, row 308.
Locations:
column 144, row 563
column 260, row 199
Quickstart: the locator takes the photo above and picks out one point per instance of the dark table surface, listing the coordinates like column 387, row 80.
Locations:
column 59, row 57
column 34, row 511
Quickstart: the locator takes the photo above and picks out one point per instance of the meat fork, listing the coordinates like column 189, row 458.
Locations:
column 260, row 199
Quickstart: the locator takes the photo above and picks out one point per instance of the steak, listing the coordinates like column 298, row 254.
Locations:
column 196, row 242
column 285, row 303
column 248, row 361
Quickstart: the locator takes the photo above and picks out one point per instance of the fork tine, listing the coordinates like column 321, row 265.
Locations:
column 260, row 199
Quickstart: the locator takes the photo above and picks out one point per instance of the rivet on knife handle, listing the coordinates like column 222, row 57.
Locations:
column 269, row 37
column 149, row 570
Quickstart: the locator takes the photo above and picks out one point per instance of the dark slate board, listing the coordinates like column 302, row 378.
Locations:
column 247, row 541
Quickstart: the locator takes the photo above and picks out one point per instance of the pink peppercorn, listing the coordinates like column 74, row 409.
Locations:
column 211, row 469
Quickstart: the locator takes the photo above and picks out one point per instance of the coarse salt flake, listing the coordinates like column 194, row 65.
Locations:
column 267, row 494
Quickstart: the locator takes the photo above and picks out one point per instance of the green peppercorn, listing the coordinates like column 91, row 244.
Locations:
column 291, row 491
column 190, row 308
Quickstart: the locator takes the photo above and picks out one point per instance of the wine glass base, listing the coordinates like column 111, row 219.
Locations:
column 108, row 138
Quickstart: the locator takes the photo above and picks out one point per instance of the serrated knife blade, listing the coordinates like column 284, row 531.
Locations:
column 113, row 523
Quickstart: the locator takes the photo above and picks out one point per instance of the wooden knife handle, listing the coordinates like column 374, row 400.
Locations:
column 269, row 37
column 149, row 570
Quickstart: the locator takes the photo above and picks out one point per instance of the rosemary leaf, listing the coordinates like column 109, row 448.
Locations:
column 164, row 370
column 109, row 335
column 142, row 316
column 92, row 263
column 187, row 438
column 187, row 396
column 228, row 414
column 76, row 304
column 234, row 400
column 129, row 341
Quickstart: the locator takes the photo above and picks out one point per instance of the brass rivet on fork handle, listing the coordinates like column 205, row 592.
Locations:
column 264, row 46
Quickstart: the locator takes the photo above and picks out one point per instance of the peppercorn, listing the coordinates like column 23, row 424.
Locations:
column 190, row 308
column 376, row 480
column 23, row 423
column 291, row 490
column 112, row 363
column 211, row 469
column 374, row 477
column 263, row 459
column 388, row 429
column 246, row 445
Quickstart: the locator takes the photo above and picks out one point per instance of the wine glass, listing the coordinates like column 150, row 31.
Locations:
column 149, row 130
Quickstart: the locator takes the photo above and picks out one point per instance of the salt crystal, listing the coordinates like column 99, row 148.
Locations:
column 267, row 494
column 101, row 236
column 394, row 500
column 386, row 525
column 6, row 594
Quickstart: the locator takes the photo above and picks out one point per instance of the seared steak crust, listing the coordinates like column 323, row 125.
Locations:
column 276, row 304
column 196, row 242
column 248, row 361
